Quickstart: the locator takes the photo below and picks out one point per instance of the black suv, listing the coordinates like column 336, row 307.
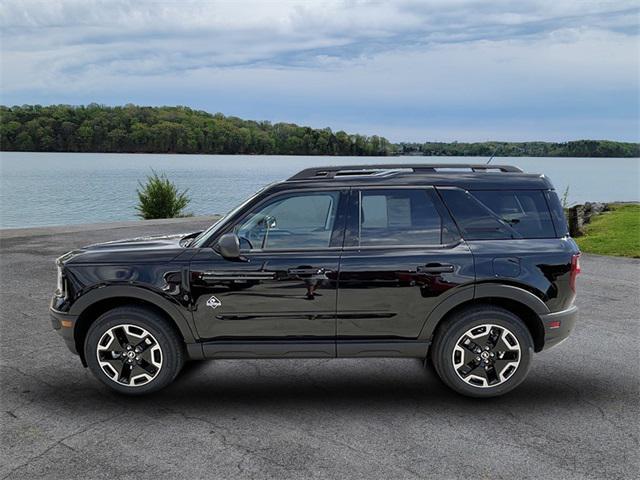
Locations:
column 470, row 267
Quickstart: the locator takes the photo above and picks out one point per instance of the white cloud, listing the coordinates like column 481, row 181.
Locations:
column 415, row 60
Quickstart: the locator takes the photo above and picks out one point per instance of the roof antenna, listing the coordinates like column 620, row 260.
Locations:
column 494, row 154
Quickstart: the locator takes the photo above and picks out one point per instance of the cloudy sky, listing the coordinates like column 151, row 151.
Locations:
column 407, row 69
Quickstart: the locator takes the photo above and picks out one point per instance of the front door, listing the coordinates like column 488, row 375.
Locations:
column 280, row 300
column 402, row 256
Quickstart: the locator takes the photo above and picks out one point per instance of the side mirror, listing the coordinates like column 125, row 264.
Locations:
column 270, row 222
column 229, row 246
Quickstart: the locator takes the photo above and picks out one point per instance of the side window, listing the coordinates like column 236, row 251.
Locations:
column 292, row 221
column 557, row 213
column 475, row 220
column 497, row 215
column 398, row 217
column 526, row 211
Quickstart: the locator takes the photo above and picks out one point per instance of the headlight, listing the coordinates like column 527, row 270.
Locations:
column 60, row 290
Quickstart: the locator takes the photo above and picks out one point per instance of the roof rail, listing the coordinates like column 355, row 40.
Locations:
column 326, row 173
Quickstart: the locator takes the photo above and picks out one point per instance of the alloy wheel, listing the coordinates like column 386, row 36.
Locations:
column 486, row 355
column 129, row 355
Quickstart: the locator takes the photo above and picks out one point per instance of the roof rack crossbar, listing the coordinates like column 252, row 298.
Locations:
column 320, row 173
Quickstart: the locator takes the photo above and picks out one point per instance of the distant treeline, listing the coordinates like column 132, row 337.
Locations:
column 578, row 148
column 134, row 129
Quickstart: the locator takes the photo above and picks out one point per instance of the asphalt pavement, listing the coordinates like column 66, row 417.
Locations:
column 576, row 415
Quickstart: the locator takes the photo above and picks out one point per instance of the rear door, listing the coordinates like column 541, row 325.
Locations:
column 402, row 256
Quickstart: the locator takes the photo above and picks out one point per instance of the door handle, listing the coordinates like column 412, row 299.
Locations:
column 436, row 268
column 307, row 271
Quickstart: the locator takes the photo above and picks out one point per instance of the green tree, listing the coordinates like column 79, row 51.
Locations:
column 132, row 128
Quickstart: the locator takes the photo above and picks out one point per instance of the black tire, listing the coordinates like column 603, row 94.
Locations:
column 449, row 347
column 161, row 368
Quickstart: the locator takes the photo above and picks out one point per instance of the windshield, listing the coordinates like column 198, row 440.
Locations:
column 201, row 239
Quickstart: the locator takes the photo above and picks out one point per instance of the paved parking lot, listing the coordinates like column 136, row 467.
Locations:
column 576, row 416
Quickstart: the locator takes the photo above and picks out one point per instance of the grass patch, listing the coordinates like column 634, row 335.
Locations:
column 616, row 232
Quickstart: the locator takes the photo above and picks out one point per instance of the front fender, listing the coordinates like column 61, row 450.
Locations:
column 184, row 324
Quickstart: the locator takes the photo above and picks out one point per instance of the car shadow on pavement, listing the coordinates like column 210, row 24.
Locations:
column 335, row 384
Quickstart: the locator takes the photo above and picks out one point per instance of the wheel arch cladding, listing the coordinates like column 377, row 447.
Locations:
column 91, row 311
column 525, row 312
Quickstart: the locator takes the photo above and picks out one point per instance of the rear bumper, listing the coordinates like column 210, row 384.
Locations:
column 558, row 326
column 64, row 324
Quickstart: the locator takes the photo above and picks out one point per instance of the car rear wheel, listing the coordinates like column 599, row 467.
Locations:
column 133, row 350
column 483, row 351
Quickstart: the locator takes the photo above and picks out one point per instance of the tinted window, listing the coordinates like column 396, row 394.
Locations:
column 484, row 215
column 526, row 211
column 476, row 222
column 398, row 217
column 557, row 213
column 291, row 222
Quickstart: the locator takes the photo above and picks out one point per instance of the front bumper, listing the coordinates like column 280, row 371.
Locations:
column 558, row 326
column 64, row 324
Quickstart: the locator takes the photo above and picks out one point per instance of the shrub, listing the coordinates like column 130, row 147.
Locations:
column 160, row 198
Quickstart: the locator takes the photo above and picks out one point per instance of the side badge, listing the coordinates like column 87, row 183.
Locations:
column 213, row 302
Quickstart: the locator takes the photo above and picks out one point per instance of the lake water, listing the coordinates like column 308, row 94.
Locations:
column 38, row 189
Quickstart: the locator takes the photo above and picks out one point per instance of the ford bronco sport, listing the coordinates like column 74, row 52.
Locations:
column 469, row 267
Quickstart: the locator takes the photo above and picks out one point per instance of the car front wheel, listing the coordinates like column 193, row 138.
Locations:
column 133, row 350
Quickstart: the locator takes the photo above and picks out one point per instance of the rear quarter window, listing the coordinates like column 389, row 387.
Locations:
column 500, row 214
column 557, row 213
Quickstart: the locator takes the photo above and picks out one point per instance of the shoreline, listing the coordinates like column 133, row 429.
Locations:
column 8, row 233
column 319, row 155
column 40, row 230
column 609, row 233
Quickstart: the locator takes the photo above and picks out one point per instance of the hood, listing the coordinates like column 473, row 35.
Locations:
column 142, row 250
column 160, row 241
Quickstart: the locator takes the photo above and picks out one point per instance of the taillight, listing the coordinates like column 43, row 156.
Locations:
column 575, row 270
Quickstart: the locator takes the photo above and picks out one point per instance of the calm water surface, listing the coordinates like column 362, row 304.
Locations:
column 38, row 189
